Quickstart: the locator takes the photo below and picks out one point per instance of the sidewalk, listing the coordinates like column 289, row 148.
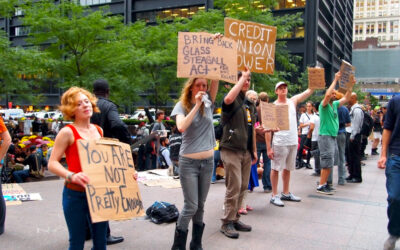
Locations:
column 353, row 218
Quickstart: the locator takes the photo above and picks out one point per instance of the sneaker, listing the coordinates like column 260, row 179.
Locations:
column 248, row 208
column 324, row 190
column 331, row 188
column 374, row 153
column 355, row 180
column 276, row 200
column 315, row 174
column 242, row 211
column 308, row 165
column 240, row 226
column 229, row 231
column 341, row 182
column 390, row 243
column 290, row 197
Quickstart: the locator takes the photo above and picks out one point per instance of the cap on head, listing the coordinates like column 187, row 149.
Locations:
column 100, row 86
column 279, row 84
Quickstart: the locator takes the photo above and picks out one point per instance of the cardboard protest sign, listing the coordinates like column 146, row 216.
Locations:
column 346, row 80
column 316, row 78
column 255, row 44
column 274, row 116
column 112, row 193
column 200, row 55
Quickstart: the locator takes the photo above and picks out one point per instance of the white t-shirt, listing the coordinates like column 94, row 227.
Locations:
column 305, row 118
column 288, row 137
column 315, row 121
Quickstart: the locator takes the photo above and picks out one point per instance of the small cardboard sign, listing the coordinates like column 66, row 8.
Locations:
column 316, row 78
column 201, row 55
column 255, row 44
column 274, row 116
column 113, row 193
column 346, row 80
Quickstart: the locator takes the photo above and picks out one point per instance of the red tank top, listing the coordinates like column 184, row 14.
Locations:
column 71, row 153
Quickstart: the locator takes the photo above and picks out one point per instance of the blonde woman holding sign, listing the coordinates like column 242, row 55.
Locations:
column 193, row 115
column 78, row 105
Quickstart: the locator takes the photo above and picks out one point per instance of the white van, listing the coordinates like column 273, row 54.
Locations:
column 12, row 113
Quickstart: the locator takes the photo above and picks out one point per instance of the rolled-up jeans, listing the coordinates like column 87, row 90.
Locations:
column 195, row 177
column 393, row 189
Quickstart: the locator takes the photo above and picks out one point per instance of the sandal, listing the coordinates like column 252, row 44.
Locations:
column 242, row 211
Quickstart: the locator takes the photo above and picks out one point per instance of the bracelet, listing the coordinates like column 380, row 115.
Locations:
column 68, row 178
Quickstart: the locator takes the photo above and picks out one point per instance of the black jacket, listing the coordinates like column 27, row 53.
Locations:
column 108, row 119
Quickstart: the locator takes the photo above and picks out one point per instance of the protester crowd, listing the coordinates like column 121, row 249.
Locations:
column 333, row 132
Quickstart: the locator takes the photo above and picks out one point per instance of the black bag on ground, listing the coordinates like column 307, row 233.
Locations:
column 162, row 211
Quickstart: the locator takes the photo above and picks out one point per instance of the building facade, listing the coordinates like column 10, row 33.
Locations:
column 326, row 37
column 379, row 19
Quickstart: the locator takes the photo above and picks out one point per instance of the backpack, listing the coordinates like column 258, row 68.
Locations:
column 368, row 124
column 162, row 211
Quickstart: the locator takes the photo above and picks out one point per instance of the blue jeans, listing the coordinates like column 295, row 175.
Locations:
column 195, row 177
column 2, row 210
column 393, row 189
column 76, row 213
column 341, row 143
column 217, row 158
column 20, row 175
column 266, row 180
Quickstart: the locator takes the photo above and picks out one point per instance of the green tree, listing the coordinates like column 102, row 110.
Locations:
column 83, row 43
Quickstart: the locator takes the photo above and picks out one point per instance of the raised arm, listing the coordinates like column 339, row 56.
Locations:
column 329, row 91
column 302, row 96
column 213, row 89
column 234, row 92
column 346, row 98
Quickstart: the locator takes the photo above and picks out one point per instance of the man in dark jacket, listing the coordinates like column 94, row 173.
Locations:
column 113, row 127
column 238, row 150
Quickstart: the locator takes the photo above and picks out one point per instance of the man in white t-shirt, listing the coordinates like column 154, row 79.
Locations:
column 304, row 121
column 283, row 149
column 314, row 129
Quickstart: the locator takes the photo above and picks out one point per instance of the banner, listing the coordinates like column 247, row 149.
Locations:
column 346, row 80
column 200, row 55
column 255, row 44
column 274, row 116
column 316, row 78
column 113, row 193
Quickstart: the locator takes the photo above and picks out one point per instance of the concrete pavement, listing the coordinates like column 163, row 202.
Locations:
column 353, row 218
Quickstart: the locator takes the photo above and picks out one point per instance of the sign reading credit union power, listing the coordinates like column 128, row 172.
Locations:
column 255, row 44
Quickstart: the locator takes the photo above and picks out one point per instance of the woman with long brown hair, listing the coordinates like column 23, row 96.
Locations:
column 194, row 119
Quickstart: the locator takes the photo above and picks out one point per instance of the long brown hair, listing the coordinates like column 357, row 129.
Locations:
column 186, row 96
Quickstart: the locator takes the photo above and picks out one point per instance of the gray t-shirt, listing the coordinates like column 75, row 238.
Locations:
column 199, row 136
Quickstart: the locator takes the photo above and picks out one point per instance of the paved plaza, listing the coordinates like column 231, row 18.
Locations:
column 353, row 218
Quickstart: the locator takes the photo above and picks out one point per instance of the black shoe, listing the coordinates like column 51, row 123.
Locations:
column 197, row 234
column 355, row 180
column 114, row 239
column 229, row 231
column 315, row 174
column 240, row 226
column 349, row 178
column 308, row 165
column 324, row 190
column 180, row 238
column 299, row 165
column 374, row 151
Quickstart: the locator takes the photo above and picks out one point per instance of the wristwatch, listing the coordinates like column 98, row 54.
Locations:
column 68, row 178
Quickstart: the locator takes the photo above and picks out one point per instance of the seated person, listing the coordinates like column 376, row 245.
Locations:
column 17, row 158
column 33, row 160
column 164, row 156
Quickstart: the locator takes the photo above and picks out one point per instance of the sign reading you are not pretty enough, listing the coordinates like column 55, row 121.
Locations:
column 255, row 44
column 200, row 54
column 113, row 193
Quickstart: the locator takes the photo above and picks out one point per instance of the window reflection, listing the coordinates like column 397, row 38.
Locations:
column 287, row 4
column 151, row 16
